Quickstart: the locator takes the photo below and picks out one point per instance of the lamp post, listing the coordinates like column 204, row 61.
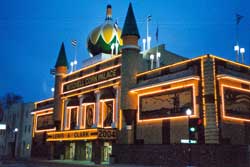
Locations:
column 189, row 113
column 242, row 51
column 237, row 49
column 15, row 136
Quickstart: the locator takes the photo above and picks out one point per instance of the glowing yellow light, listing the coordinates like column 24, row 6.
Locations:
column 45, row 100
column 46, row 130
column 85, row 110
column 98, row 83
column 173, row 117
column 92, row 137
column 80, row 138
column 171, row 65
column 222, row 86
column 229, row 61
column 42, row 111
column 90, row 90
column 215, row 95
column 223, row 76
column 93, row 65
column 102, row 101
column 203, row 93
column 91, row 74
column 35, row 123
column 120, row 119
column 166, row 83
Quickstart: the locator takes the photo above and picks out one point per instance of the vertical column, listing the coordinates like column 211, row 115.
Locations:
column 115, row 122
column 65, row 114
column 80, row 115
column 210, row 116
column 97, row 108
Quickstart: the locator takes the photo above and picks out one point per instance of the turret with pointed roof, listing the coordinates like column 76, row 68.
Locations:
column 130, row 61
column 130, row 26
column 62, row 59
column 61, row 70
column 130, row 33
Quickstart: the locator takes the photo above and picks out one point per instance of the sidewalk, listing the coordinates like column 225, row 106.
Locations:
column 67, row 163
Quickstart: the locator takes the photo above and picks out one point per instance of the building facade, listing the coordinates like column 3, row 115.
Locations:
column 16, row 140
column 123, row 95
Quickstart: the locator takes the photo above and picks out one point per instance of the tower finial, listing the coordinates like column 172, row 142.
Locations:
column 109, row 12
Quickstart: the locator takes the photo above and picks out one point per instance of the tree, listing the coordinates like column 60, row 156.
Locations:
column 9, row 99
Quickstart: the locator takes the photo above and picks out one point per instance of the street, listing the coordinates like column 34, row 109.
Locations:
column 60, row 164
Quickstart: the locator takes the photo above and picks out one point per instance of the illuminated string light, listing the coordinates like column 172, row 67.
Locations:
column 173, row 117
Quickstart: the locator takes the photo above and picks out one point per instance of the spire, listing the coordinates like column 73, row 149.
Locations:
column 130, row 26
column 62, row 59
column 109, row 12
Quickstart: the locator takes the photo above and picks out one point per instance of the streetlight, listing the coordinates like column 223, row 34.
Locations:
column 15, row 133
column 237, row 49
column 189, row 113
column 242, row 51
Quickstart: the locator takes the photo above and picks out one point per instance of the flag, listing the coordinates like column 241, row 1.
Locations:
column 157, row 33
column 238, row 18
column 149, row 18
column 74, row 42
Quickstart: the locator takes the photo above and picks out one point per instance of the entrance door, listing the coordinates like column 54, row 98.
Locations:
column 88, row 151
column 107, row 150
column 72, row 147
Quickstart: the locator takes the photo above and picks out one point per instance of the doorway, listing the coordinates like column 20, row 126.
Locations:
column 88, row 151
column 107, row 151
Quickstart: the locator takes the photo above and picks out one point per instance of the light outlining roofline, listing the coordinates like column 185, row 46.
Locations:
column 194, row 115
column 93, row 65
column 42, row 101
column 91, row 74
column 42, row 111
column 229, row 61
column 90, row 90
column 98, row 83
column 171, row 65
column 166, row 83
column 223, row 103
column 224, row 76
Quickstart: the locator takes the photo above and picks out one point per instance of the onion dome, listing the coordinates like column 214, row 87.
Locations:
column 105, row 38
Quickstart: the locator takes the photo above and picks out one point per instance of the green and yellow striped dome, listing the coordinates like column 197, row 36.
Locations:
column 102, row 37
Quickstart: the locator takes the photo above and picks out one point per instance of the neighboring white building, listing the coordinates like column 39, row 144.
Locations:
column 16, row 141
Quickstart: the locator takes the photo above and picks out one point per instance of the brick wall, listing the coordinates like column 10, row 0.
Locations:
column 178, row 155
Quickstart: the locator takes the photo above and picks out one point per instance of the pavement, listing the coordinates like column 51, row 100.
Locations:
column 60, row 163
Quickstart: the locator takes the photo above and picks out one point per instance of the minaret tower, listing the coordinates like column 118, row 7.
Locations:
column 130, row 64
column 61, row 70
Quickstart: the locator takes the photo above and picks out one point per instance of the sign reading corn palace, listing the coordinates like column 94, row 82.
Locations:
column 93, row 79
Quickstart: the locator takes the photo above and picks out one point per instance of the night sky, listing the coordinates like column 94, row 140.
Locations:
column 31, row 33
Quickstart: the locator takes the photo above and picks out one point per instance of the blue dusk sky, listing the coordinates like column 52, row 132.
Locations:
column 31, row 33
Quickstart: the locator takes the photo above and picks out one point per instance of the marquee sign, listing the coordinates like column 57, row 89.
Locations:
column 86, row 134
column 236, row 102
column 166, row 104
column 92, row 79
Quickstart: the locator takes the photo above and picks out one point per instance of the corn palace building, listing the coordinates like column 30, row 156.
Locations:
column 127, row 96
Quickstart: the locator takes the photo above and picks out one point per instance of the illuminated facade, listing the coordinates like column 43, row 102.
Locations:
column 115, row 98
